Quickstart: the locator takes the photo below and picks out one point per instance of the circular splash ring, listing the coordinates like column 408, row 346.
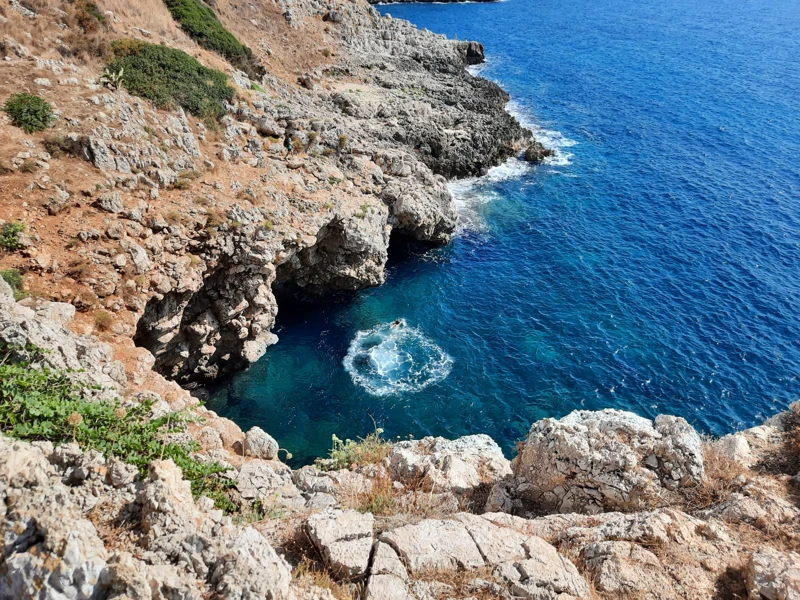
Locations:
column 394, row 358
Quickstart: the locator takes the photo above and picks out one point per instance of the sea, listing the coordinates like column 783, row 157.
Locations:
column 651, row 265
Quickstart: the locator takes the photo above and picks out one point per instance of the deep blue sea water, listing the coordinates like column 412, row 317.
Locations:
column 654, row 266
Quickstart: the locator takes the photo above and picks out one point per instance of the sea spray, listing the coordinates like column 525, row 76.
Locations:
column 394, row 358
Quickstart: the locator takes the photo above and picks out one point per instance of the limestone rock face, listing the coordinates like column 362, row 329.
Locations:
column 434, row 544
column 44, row 327
column 621, row 568
column 546, row 575
column 593, row 461
column 459, row 465
column 49, row 550
column 268, row 482
column 773, row 575
column 344, row 537
column 260, row 444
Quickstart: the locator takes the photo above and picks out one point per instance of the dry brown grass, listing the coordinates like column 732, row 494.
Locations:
column 463, row 582
column 151, row 15
column 723, row 477
column 103, row 320
column 396, row 505
column 310, row 573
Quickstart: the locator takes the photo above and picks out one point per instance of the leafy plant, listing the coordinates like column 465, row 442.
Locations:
column 29, row 112
column 14, row 279
column 346, row 454
column 201, row 23
column 37, row 403
column 9, row 235
column 256, row 87
column 111, row 79
column 171, row 78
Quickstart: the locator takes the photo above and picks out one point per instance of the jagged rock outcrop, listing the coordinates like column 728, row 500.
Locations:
column 773, row 575
column 52, row 550
column 42, row 324
column 461, row 466
column 605, row 460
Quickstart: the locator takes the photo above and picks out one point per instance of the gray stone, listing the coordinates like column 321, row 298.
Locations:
column 344, row 538
column 110, row 202
column 260, row 444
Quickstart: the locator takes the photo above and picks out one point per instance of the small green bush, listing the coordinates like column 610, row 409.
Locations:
column 29, row 112
column 348, row 453
column 42, row 404
column 9, row 236
column 171, row 78
column 202, row 24
column 14, row 279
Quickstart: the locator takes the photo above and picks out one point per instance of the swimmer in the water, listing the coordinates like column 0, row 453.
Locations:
column 398, row 323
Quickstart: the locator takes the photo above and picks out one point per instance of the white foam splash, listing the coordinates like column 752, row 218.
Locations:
column 552, row 140
column 471, row 193
column 394, row 358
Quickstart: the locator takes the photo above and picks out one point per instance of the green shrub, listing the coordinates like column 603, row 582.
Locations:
column 29, row 112
column 42, row 404
column 14, row 279
column 348, row 453
column 171, row 78
column 9, row 236
column 202, row 25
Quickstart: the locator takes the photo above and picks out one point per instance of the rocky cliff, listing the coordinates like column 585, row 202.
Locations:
column 181, row 230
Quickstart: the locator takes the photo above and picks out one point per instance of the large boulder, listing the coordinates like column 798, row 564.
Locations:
column 606, row 460
column 344, row 538
column 49, row 549
column 460, row 466
column 260, row 444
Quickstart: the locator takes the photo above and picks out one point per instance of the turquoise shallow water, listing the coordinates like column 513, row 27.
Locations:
column 653, row 266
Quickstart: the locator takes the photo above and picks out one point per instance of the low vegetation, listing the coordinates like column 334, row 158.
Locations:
column 14, row 279
column 29, row 112
column 171, row 78
column 9, row 236
column 349, row 454
column 37, row 403
column 201, row 23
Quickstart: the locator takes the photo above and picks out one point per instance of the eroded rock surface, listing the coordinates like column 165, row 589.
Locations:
column 605, row 460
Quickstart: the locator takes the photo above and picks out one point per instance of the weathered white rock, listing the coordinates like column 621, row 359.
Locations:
column 737, row 448
column 344, row 538
column 260, row 444
column 773, row 575
column 546, row 575
column 269, row 481
column 434, row 544
column 623, row 568
column 496, row 545
column 459, row 465
column 388, row 578
column 49, row 549
column 110, row 202
column 593, row 461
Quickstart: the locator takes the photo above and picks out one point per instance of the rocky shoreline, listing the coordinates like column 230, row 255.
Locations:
column 600, row 504
column 153, row 247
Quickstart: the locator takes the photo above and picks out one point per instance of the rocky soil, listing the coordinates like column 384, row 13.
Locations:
column 154, row 251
